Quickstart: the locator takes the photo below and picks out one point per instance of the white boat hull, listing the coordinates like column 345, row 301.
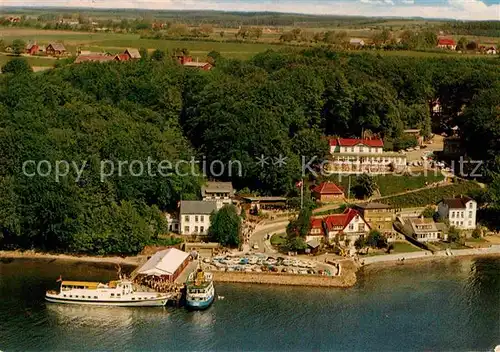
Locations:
column 156, row 302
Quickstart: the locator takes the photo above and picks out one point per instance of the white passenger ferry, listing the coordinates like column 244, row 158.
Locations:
column 115, row 293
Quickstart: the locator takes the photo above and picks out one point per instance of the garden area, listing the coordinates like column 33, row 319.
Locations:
column 432, row 195
column 391, row 184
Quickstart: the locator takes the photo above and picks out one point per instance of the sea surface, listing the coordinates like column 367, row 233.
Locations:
column 451, row 305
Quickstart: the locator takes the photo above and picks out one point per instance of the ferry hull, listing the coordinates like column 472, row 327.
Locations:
column 199, row 305
column 158, row 302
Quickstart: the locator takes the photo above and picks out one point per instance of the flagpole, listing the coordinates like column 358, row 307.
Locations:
column 349, row 189
column 301, row 193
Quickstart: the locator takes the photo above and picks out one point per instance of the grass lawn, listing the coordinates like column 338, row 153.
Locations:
column 476, row 240
column 32, row 60
column 404, row 247
column 278, row 239
column 444, row 245
column 392, row 184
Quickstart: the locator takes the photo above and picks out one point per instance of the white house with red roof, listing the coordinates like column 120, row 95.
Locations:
column 327, row 192
column 346, row 228
column 446, row 43
column 317, row 231
column 343, row 229
column 356, row 155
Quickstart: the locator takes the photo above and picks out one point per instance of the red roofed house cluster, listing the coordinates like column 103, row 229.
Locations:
column 127, row 55
column 187, row 61
column 327, row 192
column 356, row 155
column 343, row 228
column 446, row 43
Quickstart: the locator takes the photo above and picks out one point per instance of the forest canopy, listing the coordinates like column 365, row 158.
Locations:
column 278, row 104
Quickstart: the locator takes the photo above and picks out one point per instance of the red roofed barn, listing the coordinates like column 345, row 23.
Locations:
column 446, row 43
column 328, row 192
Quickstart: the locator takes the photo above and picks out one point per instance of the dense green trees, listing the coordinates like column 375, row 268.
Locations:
column 297, row 230
column 17, row 66
column 278, row 105
column 225, row 226
column 364, row 186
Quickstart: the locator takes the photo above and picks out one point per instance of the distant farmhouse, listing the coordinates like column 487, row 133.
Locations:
column 55, row 49
column 356, row 42
column 446, row 43
column 127, row 55
column 187, row 61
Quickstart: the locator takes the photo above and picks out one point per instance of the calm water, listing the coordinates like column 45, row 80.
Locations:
column 451, row 305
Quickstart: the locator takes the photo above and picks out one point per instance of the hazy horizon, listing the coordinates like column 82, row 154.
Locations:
column 430, row 9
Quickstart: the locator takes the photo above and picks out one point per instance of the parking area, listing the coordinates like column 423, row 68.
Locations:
column 263, row 263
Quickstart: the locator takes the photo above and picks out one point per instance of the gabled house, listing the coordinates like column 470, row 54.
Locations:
column 194, row 217
column 426, row 230
column 378, row 215
column 446, row 43
column 32, row 49
column 345, row 228
column 55, row 49
column 133, row 54
column 327, row 192
column 122, row 57
column 205, row 66
column 220, row 192
column 317, row 231
column 356, row 42
column 459, row 211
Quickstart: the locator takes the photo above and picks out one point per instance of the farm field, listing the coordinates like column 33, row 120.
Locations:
column 116, row 42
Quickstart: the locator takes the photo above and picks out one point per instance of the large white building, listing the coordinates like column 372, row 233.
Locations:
column 194, row 217
column 460, row 212
column 354, row 155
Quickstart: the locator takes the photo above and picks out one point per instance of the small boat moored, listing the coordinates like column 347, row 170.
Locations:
column 200, row 291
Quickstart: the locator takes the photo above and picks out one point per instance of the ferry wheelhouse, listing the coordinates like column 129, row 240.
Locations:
column 200, row 291
column 115, row 293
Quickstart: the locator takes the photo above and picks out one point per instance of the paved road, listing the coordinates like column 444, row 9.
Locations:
column 259, row 235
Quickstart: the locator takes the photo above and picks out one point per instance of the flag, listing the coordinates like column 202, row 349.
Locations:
column 299, row 184
column 59, row 279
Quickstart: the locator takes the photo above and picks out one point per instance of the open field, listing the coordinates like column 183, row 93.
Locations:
column 117, row 42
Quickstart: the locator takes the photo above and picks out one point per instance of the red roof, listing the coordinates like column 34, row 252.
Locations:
column 446, row 41
column 350, row 142
column 122, row 57
column 317, row 223
column 328, row 188
column 340, row 220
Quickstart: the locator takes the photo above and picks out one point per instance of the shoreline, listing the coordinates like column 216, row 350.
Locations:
column 348, row 278
column 429, row 258
column 133, row 261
